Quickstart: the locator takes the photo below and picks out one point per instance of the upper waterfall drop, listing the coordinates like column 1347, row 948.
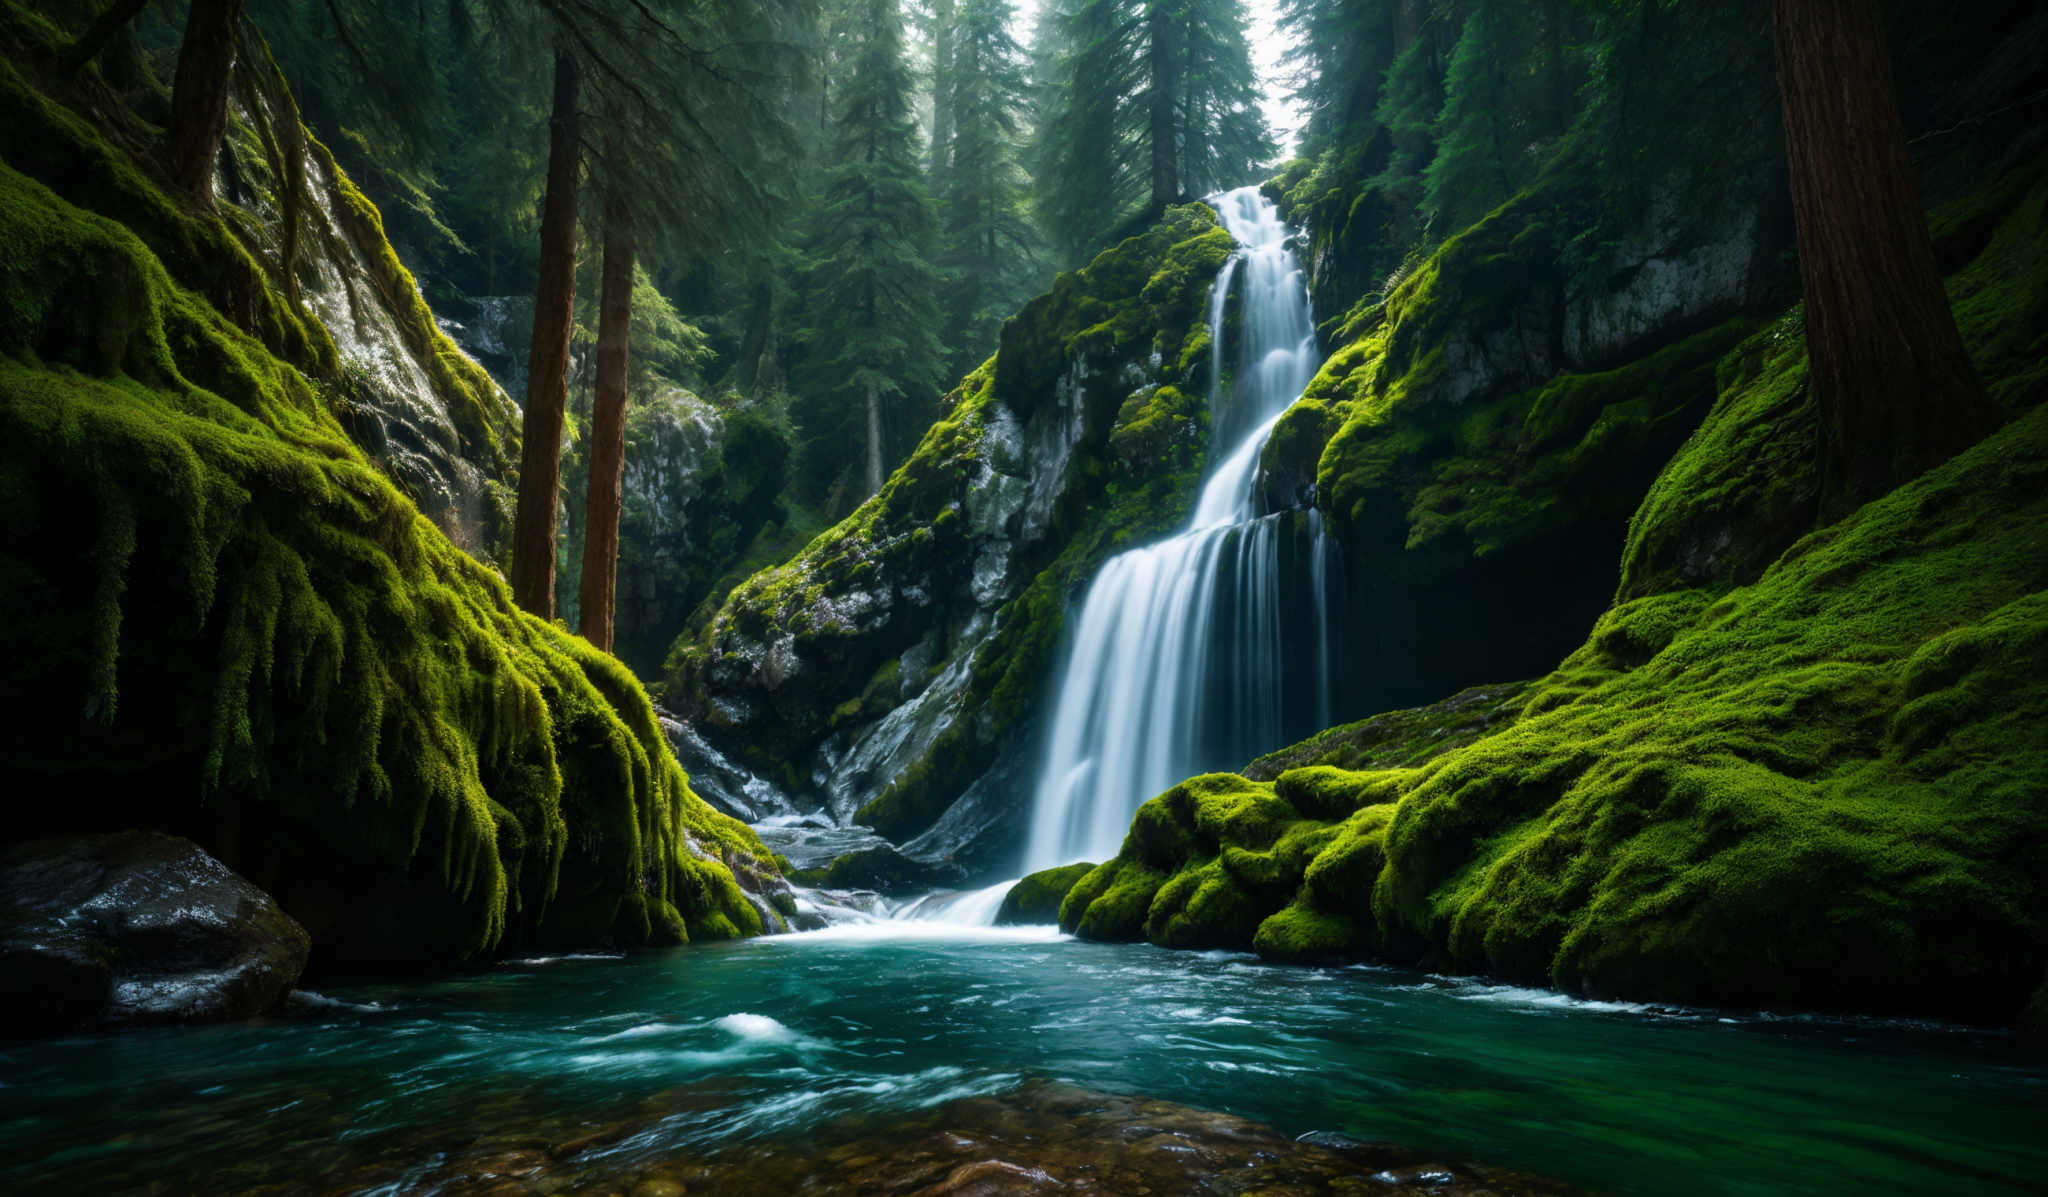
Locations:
column 1178, row 661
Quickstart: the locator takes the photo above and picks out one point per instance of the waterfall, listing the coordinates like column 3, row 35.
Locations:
column 1178, row 661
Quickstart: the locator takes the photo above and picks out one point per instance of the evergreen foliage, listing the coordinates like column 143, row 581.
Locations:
column 869, row 310
column 1119, row 78
column 989, row 247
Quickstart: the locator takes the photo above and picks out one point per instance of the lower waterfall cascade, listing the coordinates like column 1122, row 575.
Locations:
column 1177, row 662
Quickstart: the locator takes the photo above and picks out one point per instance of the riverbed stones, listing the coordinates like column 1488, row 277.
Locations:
column 136, row 927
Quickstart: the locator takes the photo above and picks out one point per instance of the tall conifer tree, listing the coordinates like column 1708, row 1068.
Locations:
column 1149, row 100
column 988, row 247
column 870, row 310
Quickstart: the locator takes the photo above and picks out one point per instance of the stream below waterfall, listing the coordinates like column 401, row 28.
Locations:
column 787, row 1044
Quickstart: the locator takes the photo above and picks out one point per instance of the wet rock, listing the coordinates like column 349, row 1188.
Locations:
column 137, row 927
column 880, row 868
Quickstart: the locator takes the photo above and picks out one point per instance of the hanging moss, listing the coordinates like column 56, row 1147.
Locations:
column 1815, row 782
column 230, row 624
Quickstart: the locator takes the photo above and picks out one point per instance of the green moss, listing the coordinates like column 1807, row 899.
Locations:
column 1037, row 897
column 1132, row 479
column 220, row 597
column 1815, row 780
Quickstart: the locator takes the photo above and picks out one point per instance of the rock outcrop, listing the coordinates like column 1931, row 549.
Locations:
column 228, row 621
column 889, row 673
column 1789, row 767
column 136, row 927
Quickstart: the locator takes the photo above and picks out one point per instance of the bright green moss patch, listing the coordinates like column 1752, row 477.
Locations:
column 1823, row 789
column 1813, row 778
column 227, row 623
column 1037, row 897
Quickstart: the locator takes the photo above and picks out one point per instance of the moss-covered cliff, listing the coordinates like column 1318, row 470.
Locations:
column 888, row 666
column 225, row 621
column 1788, row 766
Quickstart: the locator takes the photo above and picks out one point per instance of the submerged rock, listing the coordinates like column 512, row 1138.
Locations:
column 137, row 927
column 1041, row 1137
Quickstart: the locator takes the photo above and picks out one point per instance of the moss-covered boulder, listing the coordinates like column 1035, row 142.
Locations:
column 1037, row 897
column 885, row 669
column 228, row 623
column 1820, row 781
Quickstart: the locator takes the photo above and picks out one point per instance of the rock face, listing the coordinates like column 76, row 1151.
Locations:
column 1479, row 438
column 137, row 927
column 896, row 662
column 229, row 620
column 699, row 482
column 428, row 414
column 1796, row 770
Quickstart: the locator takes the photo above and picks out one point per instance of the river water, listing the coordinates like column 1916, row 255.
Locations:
column 779, row 1039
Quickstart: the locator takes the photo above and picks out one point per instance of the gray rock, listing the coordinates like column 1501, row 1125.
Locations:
column 137, row 927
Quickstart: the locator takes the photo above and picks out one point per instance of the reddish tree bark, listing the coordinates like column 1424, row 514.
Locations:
column 597, row 599
column 1893, row 387
column 199, row 95
column 547, row 381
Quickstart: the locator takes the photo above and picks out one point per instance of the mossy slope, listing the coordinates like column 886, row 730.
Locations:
column 1084, row 434
column 1491, row 413
column 1817, row 781
column 225, row 622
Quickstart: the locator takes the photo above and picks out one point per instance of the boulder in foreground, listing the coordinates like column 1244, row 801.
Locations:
column 137, row 927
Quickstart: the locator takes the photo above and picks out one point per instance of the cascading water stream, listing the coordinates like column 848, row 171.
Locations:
column 1177, row 663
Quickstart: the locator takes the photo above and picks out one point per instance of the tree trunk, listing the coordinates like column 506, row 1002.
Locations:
column 597, row 599
column 1890, row 381
column 874, row 438
column 1165, row 84
column 117, row 17
column 199, row 95
column 547, row 379
column 942, row 91
column 1407, row 24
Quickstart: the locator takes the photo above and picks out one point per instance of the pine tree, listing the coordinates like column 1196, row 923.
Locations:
column 1083, row 172
column 694, row 132
column 870, row 313
column 989, row 248
column 1166, row 85
column 1223, row 135
column 1477, row 162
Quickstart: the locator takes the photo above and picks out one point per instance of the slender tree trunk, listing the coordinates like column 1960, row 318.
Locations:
column 597, row 600
column 1165, row 83
column 547, row 378
column 95, row 39
column 1893, row 387
column 874, row 438
column 199, row 95
column 1407, row 24
column 1555, row 14
column 942, row 91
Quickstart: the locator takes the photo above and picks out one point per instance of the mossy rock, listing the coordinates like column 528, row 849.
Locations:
column 1817, row 786
column 791, row 656
column 1037, row 898
column 228, row 624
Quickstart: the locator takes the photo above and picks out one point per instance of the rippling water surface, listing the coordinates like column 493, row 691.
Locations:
column 780, row 1037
